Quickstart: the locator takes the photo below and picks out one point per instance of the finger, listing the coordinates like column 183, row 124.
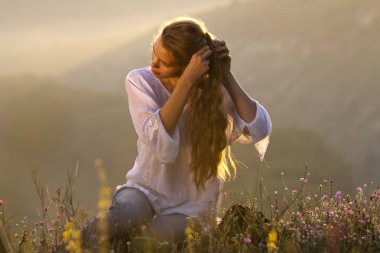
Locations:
column 221, row 49
column 221, row 56
column 206, row 54
column 219, row 42
column 202, row 50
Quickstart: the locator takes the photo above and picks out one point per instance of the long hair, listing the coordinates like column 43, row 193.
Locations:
column 205, row 118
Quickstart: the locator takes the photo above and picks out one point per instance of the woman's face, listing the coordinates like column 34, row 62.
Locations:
column 163, row 63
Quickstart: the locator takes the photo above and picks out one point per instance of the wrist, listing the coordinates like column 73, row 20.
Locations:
column 185, row 83
column 227, row 78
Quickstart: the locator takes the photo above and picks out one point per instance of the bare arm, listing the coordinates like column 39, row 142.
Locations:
column 171, row 111
column 243, row 103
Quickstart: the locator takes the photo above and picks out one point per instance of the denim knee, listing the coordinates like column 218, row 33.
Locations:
column 130, row 206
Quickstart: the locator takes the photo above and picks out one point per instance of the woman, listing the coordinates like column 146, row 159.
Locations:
column 187, row 109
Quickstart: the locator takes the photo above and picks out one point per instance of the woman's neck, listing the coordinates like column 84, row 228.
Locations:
column 170, row 83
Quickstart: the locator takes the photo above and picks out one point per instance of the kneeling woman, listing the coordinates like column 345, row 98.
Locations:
column 187, row 109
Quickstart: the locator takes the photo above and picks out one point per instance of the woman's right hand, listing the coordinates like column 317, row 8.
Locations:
column 198, row 65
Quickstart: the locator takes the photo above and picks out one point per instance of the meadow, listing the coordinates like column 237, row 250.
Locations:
column 291, row 220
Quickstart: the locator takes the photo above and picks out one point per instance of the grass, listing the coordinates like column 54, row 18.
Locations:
column 297, row 221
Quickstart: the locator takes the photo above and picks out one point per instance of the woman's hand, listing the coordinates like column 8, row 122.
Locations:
column 198, row 65
column 223, row 56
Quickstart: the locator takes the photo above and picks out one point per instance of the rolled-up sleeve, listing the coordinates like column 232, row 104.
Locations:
column 257, row 131
column 146, row 119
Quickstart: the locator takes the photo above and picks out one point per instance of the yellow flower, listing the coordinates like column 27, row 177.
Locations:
column 73, row 239
column 272, row 237
column 104, row 204
column 272, row 242
column 189, row 234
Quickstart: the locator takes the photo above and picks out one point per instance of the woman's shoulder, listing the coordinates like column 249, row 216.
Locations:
column 140, row 73
column 142, row 79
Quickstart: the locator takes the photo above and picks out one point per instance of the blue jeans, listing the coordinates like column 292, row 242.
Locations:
column 129, row 210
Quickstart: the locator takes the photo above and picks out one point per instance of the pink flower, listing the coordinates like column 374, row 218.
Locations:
column 338, row 195
column 359, row 189
column 362, row 222
column 294, row 191
column 2, row 202
column 247, row 240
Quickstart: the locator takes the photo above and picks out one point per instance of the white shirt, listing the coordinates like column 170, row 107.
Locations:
column 161, row 169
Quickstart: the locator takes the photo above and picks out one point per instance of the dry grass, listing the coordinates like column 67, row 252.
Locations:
column 297, row 222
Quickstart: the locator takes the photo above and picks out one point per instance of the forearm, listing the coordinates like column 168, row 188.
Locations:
column 171, row 111
column 243, row 103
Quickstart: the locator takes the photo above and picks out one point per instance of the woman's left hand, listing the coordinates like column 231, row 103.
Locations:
column 223, row 55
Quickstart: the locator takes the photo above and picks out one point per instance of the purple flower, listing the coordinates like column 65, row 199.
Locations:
column 362, row 222
column 330, row 213
column 247, row 240
column 338, row 195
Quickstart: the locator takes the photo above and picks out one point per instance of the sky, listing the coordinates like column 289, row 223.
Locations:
column 37, row 33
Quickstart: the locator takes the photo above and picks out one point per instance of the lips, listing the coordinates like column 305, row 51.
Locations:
column 155, row 73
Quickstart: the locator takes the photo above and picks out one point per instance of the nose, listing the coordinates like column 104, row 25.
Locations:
column 154, row 62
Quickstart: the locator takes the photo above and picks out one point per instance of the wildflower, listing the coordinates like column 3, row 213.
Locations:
column 362, row 222
column 338, row 195
column 303, row 180
column 349, row 212
column 272, row 241
column 189, row 233
column 247, row 240
column 308, row 198
column 325, row 181
column 294, row 191
column 359, row 189
column 68, row 231
column 2, row 202
column 73, row 239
